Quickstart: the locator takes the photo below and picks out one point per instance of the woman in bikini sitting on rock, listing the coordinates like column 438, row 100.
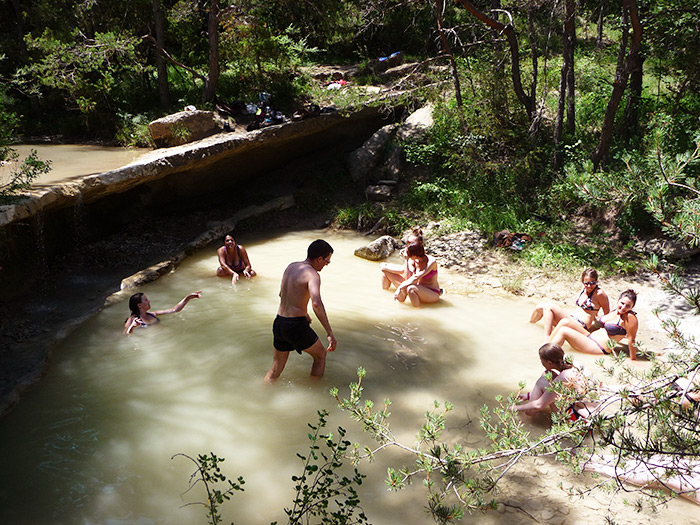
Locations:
column 397, row 273
column 422, row 286
column 621, row 322
column 590, row 301
column 140, row 316
column 233, row 261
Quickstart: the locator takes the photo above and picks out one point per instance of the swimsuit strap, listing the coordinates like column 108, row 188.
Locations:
column 615, row 328
column 587, row 304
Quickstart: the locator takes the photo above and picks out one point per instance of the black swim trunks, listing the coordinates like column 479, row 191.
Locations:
column 292, row 333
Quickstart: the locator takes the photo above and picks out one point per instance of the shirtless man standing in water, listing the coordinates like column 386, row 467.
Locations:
column 291, row 329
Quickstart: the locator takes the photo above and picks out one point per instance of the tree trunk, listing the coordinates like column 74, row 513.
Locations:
column 600, row 154
column 23, row 53
column 533, row 48
column 567, row 94
column 440, row 8
column 528, row 101
column 209, row 93
column 601, row 12
column 630, row 120
column 19, row 27
column 570, row 37
column 559, row 121
column 163, row 87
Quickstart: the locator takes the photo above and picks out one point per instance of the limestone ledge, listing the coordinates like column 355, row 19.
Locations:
column 163, row 162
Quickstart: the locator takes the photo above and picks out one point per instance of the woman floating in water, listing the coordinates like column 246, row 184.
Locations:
column 397, row 273
column 619, row 323
column 559, row 370
column 140, row 316
column 233, row 261
column 589, row 302
column 422, row 285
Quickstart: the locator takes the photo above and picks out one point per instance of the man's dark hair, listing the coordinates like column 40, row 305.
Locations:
column 318, row 248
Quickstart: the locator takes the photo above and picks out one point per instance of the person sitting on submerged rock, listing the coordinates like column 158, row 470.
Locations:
column 395, row 274
column 614, row 326
column 140, row 316
column 557, row 369
column 422, row 285
column 233, row 261
column 591, row 300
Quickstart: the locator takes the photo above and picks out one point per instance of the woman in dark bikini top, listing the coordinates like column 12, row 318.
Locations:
column 140, row 316
column 589, row 302
column 233, row 261
column 619, row 323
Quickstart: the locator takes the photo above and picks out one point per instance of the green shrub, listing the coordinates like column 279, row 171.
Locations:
column 133, row 131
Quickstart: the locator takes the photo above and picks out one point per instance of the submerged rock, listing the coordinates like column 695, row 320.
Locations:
column 379, row 249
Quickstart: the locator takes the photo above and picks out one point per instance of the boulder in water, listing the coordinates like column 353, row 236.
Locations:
column 379, row 249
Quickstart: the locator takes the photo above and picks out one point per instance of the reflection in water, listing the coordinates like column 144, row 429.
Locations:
column 92, row 443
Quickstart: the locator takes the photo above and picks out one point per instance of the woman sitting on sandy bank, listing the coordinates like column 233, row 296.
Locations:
column 233, row 261
column 556, row 370
column 140, row 316
column 397, row 273
column 591, row 300
column 422, row 286
column 619, row 323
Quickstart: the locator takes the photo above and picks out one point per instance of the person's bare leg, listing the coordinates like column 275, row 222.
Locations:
column 386, row 283
column 391, row 276
column 536, row 313
column 279, row 360
column 401, row 295
column 550, row 314
column 576, row 340
column 318, row 352
column 413, row 295
column 420, row 294
column 571, row 323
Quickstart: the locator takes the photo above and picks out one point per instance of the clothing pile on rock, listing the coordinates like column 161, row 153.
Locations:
column 514, row 241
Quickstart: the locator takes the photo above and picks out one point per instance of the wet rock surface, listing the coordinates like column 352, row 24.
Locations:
column 379, row 249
